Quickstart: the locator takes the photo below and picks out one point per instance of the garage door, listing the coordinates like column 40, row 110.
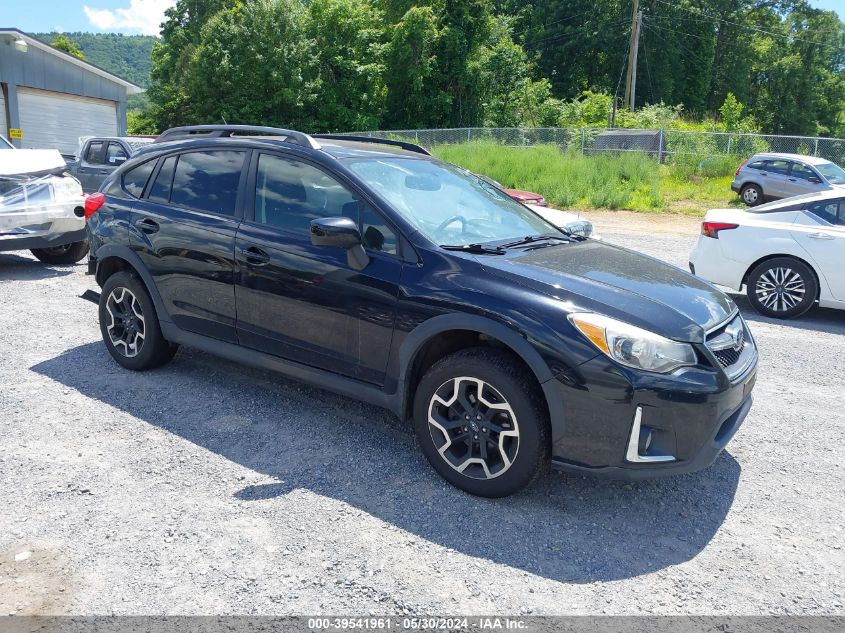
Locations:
column 52, row 120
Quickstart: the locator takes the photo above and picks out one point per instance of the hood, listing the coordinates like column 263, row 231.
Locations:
column 621, row 284
column 31, row 162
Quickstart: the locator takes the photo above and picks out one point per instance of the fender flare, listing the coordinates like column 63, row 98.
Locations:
column 125, row 253
column 423, row 333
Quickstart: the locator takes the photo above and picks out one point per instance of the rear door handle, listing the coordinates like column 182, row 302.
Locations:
column 254, row 256
column 148, row 226
column 821, row 236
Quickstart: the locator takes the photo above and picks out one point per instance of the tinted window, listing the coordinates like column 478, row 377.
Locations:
column 777, row 166
column 160, row 191
column 289, row 194
column 376, row 234
column 833, row 212
column 207, row 181
column 116, row 155
column 95, row 152
column 802, row 172
column 136, row 178
column 757, row 164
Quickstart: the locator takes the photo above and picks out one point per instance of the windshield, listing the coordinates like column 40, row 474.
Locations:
column 449, row 205
column 834, row 174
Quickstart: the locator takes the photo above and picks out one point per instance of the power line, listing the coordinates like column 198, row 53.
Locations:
column 703, row 17
column 678, row 44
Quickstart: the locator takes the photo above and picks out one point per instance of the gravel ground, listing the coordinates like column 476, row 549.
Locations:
column 206, row 487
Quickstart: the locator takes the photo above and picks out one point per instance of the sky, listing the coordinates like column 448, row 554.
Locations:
column 132, row 16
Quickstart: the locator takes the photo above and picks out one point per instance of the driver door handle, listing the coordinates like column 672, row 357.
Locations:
column 821, row 236
column 254, row 256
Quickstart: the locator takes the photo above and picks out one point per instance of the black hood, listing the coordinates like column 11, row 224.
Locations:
column 620, row 283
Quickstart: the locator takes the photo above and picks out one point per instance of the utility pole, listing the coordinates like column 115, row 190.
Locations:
column 633, row 50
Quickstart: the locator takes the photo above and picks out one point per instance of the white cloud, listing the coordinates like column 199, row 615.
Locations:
column 144, row 16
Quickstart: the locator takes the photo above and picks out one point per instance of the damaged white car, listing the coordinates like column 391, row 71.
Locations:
column 41, row 206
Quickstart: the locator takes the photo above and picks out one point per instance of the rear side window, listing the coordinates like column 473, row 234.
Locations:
column 757, row 164
column 208, row 181
column 832, row 212
column 777, row 166
column 160, row 190
column 95, row 153
column 136, row 178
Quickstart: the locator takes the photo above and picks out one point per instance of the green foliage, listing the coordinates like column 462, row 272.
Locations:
column 629, row 181
column 64, row 43
column 127, row 56
column 349, row 47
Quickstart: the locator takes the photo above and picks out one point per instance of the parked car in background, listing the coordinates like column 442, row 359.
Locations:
column 97, row 157
column 525, row 197
column 5, row 144
column 788, row 254
column 41, row 206
column 774, row 176
column 570, row 222
column 377, row 271
column 566, row 220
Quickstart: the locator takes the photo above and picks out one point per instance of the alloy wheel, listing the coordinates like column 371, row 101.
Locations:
column 780, row 289
column 126, row 328
column 473, row 427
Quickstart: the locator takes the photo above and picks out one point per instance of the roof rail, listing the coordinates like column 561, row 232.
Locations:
column 411, row 147
column 222, row 131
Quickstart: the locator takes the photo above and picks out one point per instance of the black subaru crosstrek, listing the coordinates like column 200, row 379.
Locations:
column 367, row 267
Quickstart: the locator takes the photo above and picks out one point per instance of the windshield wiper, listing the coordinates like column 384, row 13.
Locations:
column 475, row 249
column 530, row 239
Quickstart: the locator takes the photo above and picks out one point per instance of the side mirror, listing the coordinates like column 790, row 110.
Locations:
column 341, row 232
column 814, row 180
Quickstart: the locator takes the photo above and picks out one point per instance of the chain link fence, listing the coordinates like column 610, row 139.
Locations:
column 664, row 145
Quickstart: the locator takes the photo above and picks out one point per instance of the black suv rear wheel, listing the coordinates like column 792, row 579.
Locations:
column 129, row 324
column 480, row 422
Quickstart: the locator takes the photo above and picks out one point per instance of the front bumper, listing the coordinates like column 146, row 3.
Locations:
column 689, row 416
column 42, row 225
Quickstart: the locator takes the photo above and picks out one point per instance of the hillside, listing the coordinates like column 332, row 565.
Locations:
column 126, row 56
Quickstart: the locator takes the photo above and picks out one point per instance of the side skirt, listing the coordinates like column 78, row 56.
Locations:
column 348, row 387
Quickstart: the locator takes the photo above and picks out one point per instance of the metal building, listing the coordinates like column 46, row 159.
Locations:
column 48, row 98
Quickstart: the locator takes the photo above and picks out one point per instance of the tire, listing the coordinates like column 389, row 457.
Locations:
column 516, row 454
column 751, row 194
column 129, row 324
column 62, row 255
column 782, row 288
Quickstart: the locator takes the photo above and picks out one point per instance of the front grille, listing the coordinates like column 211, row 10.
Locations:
column 731, row 346
column 727, row 357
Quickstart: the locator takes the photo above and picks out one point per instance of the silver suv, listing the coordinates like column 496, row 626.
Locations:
column 773, row 176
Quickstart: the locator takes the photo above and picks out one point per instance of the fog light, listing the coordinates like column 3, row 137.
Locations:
column 640, row 441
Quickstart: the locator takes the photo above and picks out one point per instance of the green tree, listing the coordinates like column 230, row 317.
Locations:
column 172, row 102
column 64, row 43
column 253, row 64
column 348, row 42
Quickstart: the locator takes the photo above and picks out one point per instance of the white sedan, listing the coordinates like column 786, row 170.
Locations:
column 789, row 254
column 566, row 220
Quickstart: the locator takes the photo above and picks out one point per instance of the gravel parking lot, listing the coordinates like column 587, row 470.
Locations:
column 206, row 487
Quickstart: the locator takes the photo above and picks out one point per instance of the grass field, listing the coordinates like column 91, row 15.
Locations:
column 629, row 181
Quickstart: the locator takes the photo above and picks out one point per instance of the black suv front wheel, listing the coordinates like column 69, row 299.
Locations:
column 480, row 423
column 129, row 324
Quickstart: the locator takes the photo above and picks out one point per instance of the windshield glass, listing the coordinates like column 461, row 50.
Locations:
column 447, row 204
column 834, row 174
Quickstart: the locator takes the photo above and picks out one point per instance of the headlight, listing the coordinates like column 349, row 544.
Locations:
column 633, row 346
column 579, row 227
